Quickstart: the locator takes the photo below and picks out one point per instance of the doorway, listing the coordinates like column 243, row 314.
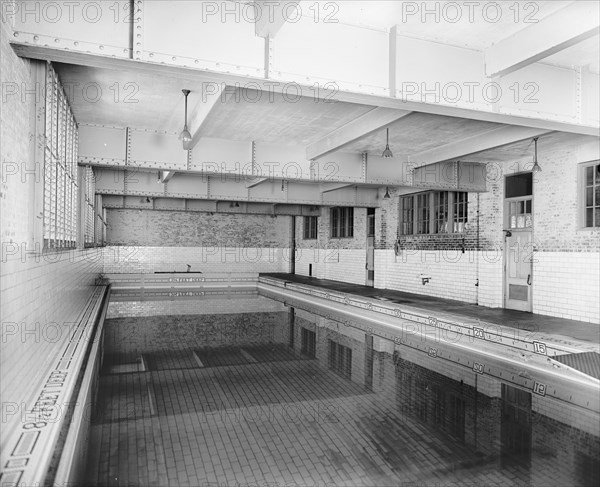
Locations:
column 518, row 244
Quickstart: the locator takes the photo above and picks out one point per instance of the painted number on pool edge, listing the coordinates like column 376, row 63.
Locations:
column 539, row 347
column 539, row 388
column 478, row 333
column 432, row 352
column 477, row 367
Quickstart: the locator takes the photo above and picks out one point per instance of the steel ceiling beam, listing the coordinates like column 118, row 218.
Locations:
column 562, row 29
column 25, row 49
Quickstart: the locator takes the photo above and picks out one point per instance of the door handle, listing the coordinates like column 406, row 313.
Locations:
column 529, row 279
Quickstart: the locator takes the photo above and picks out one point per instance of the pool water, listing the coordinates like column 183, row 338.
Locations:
column 284, row 398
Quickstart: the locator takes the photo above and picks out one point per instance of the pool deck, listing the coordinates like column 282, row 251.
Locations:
column 576, row 332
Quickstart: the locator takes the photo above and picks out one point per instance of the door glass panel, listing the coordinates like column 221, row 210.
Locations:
column 520, row 214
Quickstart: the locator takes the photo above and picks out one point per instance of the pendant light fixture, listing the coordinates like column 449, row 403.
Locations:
column 536, row 167
column 185, row 135
column 386, row 196
column 387, row 152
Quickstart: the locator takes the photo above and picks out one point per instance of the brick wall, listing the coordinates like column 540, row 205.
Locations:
column 340, row 259
column 566, row 269
column 148, row 241
column 153, row 228
column 41, row 293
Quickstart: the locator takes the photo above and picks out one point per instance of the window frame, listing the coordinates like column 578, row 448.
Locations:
column 310, row 227
column 583, row 186
column 60, row 213
column 419, row 213
column 341, row 222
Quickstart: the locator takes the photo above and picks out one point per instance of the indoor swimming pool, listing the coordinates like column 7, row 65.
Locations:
column 252, row 391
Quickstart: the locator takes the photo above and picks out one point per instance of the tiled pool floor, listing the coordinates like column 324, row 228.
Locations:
column 279, row 423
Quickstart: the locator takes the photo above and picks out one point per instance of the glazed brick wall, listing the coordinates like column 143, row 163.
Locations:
column 453, row 274
column 42, row 294
column 15, row 200
column 566, row 270
column 193, row 306
column 567, row 285
column 340, row 259
column 133, row 259
column 153, row 228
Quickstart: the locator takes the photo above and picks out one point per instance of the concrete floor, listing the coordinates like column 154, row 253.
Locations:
column 560, row 327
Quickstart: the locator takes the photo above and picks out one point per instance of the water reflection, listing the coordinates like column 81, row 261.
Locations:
column 291, row 396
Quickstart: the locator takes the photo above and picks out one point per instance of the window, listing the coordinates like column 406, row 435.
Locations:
column 407, row 212
column 342, row 222
column 423, row 213
column 60, row 168
column 459, row 219
column 440, row 212
column 370, row 222
column 591, row 180
column 309, row 342
column 519, row 214
column 519, row 185
column 310, row 227
column 433, row 212
column 340, row 359
column 518, row 192
column 88, row 188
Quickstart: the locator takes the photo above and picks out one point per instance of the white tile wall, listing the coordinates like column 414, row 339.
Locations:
column 41, row 298
column 453, row 274
column 134, row 259
column 347, row 265
column 567, row 285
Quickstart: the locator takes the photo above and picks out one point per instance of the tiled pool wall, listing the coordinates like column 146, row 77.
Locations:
column 131, row 335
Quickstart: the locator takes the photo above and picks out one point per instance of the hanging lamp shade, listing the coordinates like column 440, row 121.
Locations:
column 387, row 151
column 185, row 136
column 536, row 167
